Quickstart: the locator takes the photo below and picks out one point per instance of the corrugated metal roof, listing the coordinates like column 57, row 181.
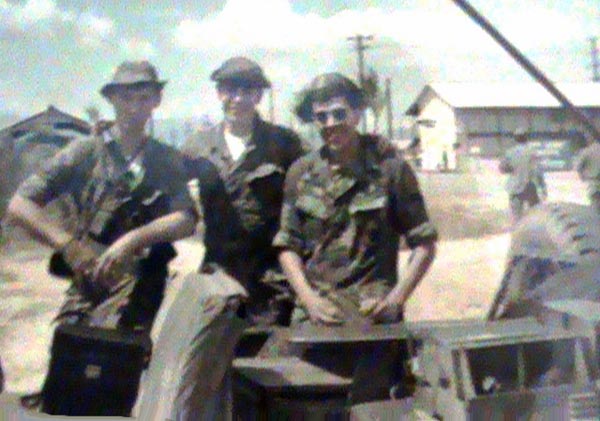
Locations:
column 52, row 117
column 509, row 95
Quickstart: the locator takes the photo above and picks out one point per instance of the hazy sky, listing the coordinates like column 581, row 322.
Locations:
column 61, row 52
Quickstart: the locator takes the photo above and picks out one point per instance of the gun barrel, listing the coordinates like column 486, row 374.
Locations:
column 533, row 71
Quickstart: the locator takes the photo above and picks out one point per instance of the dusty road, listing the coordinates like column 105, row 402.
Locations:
column 460, row 284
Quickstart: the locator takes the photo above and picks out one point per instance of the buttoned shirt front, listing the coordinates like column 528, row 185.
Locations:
column 254, row 184
column 346, row 226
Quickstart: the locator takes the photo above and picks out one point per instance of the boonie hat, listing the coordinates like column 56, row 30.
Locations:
column 324, row 87
column 133, row 73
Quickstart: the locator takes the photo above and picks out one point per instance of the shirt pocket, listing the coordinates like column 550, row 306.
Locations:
column 109, row 219
column 266, row 185
column 367, row 213
column 312, row 213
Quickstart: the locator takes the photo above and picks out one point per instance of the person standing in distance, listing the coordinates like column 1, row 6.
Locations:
column 526, row 185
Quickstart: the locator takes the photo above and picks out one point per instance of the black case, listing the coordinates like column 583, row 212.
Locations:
column 94, row 371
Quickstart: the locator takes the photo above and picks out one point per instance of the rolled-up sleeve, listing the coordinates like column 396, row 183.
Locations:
column 289, row 235
column 408, row 210
column 64, row 173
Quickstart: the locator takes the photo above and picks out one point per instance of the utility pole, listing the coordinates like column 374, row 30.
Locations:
column 360, row 46
column 529, row 67
column 388, row 107
column 595, row 60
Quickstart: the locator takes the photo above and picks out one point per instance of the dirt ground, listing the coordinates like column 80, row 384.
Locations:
column 470, row 212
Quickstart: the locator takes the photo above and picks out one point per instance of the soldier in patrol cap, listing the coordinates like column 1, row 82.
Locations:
column 526, row 186
column 132, row 202
column 253, row 157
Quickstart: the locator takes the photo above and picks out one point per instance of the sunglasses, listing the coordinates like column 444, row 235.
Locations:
column 339, row 115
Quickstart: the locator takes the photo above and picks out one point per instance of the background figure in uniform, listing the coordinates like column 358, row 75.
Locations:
column 215, row 305
column 131, row 200
column 587, row 165
column 526, row 185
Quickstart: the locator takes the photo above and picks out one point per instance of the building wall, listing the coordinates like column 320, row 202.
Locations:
column 437, row 132
column 454, row 138
column 488, row 133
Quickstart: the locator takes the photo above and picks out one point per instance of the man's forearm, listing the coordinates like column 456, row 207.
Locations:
column 27, row 214
column 169, row 228
column 292, row 267
column 421, row 259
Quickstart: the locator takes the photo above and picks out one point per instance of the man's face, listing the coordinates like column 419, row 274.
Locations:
column 239, row 101
column 336, row 122
column 135, row 103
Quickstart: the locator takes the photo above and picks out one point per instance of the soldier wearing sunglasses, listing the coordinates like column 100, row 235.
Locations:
column 346, row 207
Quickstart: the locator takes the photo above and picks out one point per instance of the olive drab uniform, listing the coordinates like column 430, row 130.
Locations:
column 346, row 226
column 587, row 165
column 254, row 183
column 191, row 368
column 525, row 184
column 112, row 195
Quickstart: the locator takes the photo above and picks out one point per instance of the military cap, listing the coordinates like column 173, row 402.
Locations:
column 323, row 88
column 241, row 69
column 131, row 73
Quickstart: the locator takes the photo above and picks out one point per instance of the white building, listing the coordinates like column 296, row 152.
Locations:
column 460, row 121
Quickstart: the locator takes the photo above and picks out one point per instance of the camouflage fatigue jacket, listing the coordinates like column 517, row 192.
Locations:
column 92, row 168
column 346, row 227
column 254, row 184
column 110, row 200
column 522, row 165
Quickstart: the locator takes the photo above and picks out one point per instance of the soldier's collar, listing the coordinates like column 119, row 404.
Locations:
column 112, row 143
column 359, row 168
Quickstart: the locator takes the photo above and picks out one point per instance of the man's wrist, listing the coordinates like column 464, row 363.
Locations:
column 396, row 297
column 307, row 295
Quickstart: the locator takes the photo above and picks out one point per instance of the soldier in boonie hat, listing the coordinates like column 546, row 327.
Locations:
column 129, row 246
column 133, row 73
column 350, row 172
